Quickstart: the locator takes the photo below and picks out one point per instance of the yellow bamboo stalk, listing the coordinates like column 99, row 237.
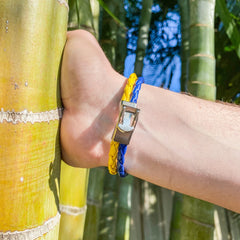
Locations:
column 95, row 13
column 32, row 37
column 74, row 182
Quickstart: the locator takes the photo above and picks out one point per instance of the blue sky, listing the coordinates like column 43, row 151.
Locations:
column 155, row 74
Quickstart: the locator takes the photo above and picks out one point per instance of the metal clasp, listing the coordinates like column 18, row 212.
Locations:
column 126, row 123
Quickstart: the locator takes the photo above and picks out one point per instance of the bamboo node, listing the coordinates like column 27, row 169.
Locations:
column 28, row 116
column 203, row 83
column 72, row 210
column 33, row 233
column 203, row 55
column 201, row 25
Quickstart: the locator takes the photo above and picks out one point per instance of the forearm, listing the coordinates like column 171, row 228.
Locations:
column 188, row 145
column 182, row 143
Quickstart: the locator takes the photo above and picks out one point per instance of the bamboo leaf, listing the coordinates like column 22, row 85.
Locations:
column 229, row 24
column 114, row 17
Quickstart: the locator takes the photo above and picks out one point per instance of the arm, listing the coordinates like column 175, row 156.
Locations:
column 182, row 143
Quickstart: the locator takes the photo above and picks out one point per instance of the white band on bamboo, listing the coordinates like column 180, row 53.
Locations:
column 201, row 25
column 63, row 2
column 203, row 83
column 71, row 210
column 26, row 116
column 93, row 202
column 203, row 55
column 33, row 233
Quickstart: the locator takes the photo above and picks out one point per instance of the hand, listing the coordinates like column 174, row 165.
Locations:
column 91, row 92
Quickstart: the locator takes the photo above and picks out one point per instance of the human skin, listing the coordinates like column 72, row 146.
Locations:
column 181, row 142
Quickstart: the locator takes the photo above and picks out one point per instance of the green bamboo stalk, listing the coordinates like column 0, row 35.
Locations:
column 107, row 225
column 193, row 218
column 136, row 230
column 184, row 12
column 167, row 209
column 121, row 48
column 234, row 223
column 29, row 118
column 201, row 56
column 94, row 203
column 176, row 216
column 123, row 225
column 153, row 219
column 221, row 224
column 229, row 24
column 80, row 15
column 142, row 42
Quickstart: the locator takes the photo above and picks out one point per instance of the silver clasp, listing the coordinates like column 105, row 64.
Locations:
column 126, row 123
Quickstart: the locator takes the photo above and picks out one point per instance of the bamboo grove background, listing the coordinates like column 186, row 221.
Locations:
column 93, row 204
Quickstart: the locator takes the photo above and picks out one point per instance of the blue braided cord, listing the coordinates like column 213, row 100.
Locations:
column 136, row 89
column 122, row 149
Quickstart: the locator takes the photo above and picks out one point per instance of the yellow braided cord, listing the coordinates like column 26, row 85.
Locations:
column 112, row 160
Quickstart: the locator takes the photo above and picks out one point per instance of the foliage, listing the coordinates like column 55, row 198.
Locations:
column 227, row 60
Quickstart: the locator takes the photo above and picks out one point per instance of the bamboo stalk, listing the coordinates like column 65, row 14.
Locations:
column 80, row 15
column 221, row 224
column 142, row 42
column 29, row 118
column 107, row 225
column 176, row 217
column 184, row 12
column 94, row 203
column 193, row 218
column 153, row 219
column 73, row 206
column 234, row 224
column 136, row 230
column 123, row 225
column 201, row 59
column 121, row 48
column 95, row 13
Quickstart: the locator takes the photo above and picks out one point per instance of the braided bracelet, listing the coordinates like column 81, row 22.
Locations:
column 112, row 160
column 123, row 147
